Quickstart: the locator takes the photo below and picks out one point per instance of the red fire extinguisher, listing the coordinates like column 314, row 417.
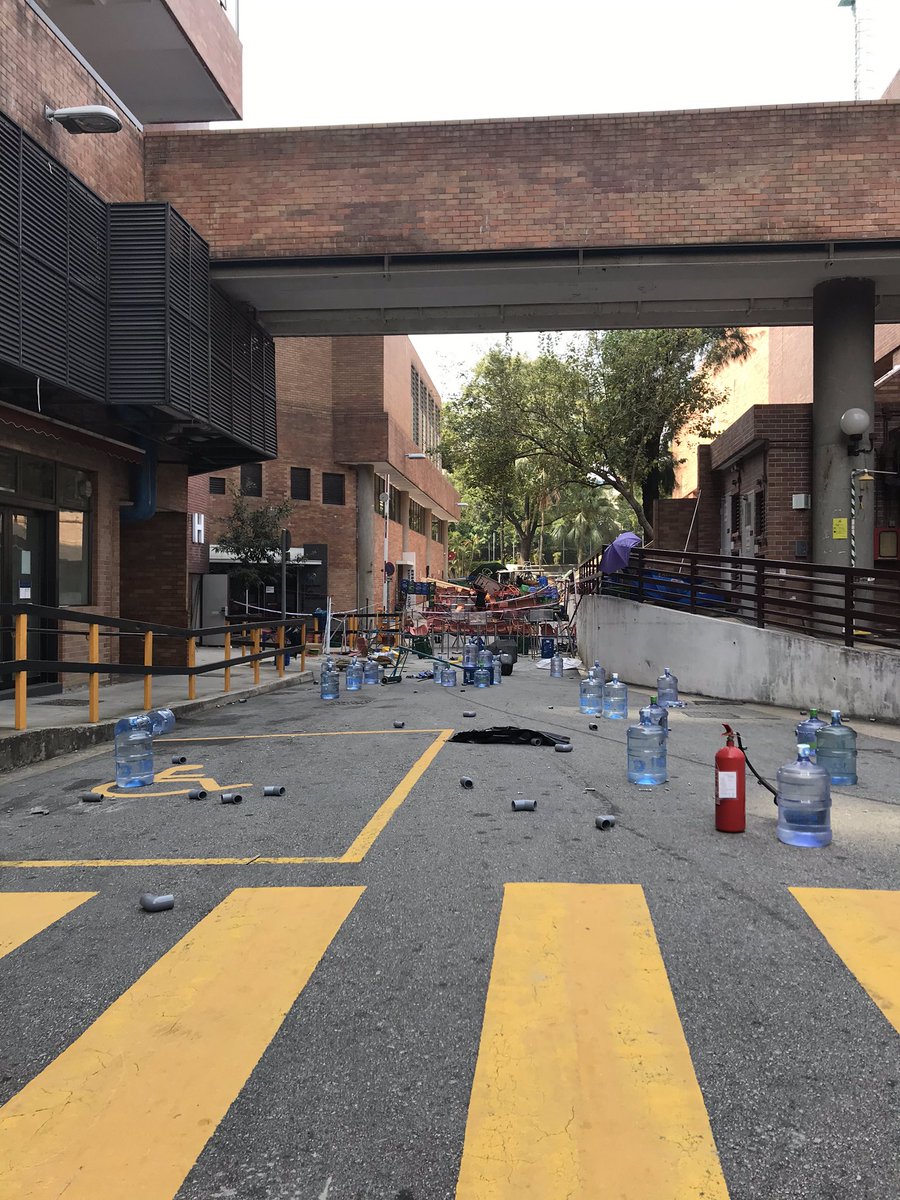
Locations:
column 731, row 814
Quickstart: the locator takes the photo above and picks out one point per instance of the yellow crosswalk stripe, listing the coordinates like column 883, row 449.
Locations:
column 584, row 1086
column 128, row 1107
column 23, row 914
column 863, row 928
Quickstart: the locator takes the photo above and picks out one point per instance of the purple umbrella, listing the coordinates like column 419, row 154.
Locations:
column 617, row 553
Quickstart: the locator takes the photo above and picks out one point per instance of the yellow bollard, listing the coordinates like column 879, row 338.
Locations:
column 280, row 659
column 21, row 713
column 257, row 636
column 94, row 677
column 227, row 659
column 303, row 646
column 192, row 662
column 148, row 678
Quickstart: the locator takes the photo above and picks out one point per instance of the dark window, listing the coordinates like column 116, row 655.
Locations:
column 74, row 559
column 759, row 513
column 37, row 478
column 414, row 391
column 217, row 485
column 735, row 501
column 251, row 479
column 435, row 529
column 300, row 483
column 416, row 517
column 332, row 488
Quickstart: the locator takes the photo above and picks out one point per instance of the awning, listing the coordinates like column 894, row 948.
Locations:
column 60, row 431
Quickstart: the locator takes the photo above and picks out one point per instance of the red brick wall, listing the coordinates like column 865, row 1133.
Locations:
column 771, row 174
column 155, row 583
column 37, row 69
column 671, row 522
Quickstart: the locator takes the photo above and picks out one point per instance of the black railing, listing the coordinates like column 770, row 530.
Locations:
column 853, row 605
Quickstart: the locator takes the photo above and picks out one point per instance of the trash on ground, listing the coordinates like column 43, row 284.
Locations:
column 524, row 805
column 37, row 811
column 178, row 760
column 466, row 782
column 604, row 821
column 197, row 794
column 592, row 725
column 232, row 797
column 509, row 735
column 151, row 903
column 91, row 797
column 274, row 789
column 399, row 724
column 470, row 712
column 563, row 747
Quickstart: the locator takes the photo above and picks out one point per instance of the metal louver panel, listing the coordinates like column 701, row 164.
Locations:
column 44, row 340
column 45, row 216
column 10, row 304
column 88, row 240
column 87, row 331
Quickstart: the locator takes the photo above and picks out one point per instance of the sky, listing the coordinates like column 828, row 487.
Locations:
column 360, row 62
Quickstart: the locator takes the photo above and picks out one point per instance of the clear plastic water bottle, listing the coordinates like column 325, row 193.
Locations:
column 486, row 660
column 354, row 675
column 656, row 715
column 329, row 681
column 470, row 654
column 590, row 695
column 647, row 753
column 836, row 750
column 804, row 802
column 667, row 688
column 615, row 699
column 598, row 673
column 482, row 677
column 162, row 720
column 556, row 667
column 134, row 752
column 498, row 672
column 370, row 671
column 448, row 677
column 807, row 731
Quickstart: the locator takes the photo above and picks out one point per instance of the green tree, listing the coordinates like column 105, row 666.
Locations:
column 251, row 533
column 585, row 519
column 610, row 405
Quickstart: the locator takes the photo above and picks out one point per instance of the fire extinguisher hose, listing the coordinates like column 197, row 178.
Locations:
column 753, row 769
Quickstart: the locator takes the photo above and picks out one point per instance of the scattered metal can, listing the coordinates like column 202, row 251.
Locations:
column 593, row 725
column 273, row 789
column 524, row 805
column 470, row 712
column 563, row 747
column 178, row 760
column 232, row 797
column 399, row 724
column 197, row 794
column 91, row 797
column 466, row 782
column 151, row 903
column 604, row 821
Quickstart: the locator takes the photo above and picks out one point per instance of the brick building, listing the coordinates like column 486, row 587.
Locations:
column 353, row 413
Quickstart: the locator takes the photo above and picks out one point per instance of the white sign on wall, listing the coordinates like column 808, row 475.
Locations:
column 198, row 528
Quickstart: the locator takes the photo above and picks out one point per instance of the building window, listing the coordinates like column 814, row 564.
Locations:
column 759, row 513
column 251, row 479
column 414, row 394
column 300, row 483
column 416, row 517
column 435, row 529
column 74, row 559
column 332, row 488
column 217, row 485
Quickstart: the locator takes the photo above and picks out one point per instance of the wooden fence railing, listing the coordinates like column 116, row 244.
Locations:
column 853, row 605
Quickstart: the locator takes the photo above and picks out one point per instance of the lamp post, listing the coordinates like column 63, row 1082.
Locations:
column 851, row 4
column 385, row 505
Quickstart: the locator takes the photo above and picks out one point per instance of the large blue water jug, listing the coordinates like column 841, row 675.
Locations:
column 836, row 750
column 483, row 677
column 590, row 695
column 498, row 670
column 656, row 714
column 448, row 677
column 370, row 672
column 134, row 752
column 804, row 802
column 329, row 681
column 556, row 667
column 162, row 720
column 486, row 660
column 354, row 675
column 615, row 699
column 647, row 753
column 667, row 688
column 807, row 731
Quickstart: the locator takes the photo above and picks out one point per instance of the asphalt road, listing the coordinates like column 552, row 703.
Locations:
column 362, row 1090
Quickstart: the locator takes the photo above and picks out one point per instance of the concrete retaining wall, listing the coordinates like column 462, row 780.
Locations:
column 715, row 657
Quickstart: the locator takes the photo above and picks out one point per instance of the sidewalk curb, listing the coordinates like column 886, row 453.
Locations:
column 21, row 749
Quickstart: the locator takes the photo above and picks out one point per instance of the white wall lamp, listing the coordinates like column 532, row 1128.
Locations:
column 855, row 423
column 89, row 118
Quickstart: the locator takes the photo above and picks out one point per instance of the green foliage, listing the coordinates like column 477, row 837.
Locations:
column 252, row 534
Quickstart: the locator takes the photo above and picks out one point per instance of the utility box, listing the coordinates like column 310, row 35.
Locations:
column 801, row 500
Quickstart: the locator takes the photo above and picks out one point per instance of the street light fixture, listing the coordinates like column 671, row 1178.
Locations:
column 88, row 118
column 855, row 423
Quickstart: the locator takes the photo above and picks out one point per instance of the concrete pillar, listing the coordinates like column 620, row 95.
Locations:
column 843, row 356
column 429, row 553
column 445, row 547
column 365, row 537
column 404, row 520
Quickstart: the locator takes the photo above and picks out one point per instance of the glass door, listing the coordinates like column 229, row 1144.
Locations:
column 26, row 574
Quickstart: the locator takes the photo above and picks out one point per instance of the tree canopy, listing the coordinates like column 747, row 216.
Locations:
column 252, row 534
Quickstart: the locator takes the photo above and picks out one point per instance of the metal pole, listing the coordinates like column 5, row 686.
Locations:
column 386, row 504
column 285, row 540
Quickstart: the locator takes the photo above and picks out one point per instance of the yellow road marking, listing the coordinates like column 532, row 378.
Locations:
column 355, row 853
column 863, row 928
column 24, row 914
column 361, row 844
column 584, row 1085
column 129, row 1106
column 186, row 773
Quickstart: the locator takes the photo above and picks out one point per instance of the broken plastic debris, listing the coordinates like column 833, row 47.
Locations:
column 592, row 725
column 524, row 805
column 509, row 735
column 604, row 821
column 232, row 797
column 274, row 789
column 197, row 794
column 151, row 903
column 91, row 797
column 178, row 760
column 466, row 782
column 39, row 812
